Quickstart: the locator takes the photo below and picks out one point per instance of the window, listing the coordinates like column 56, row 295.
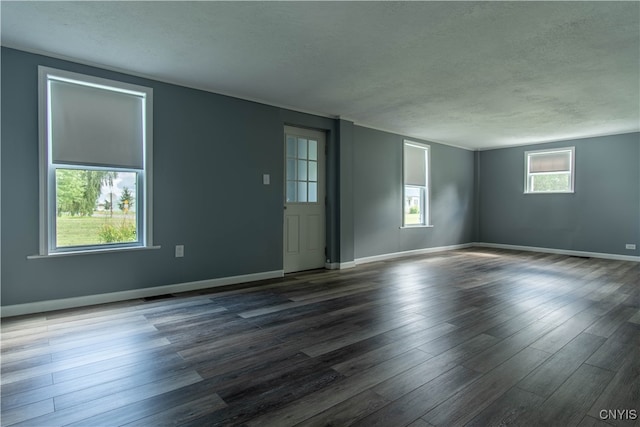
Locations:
column 95, row 154
column 549, row 171
column 416, row 192
column 302, row 170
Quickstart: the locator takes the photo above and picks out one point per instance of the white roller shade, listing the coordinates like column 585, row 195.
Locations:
column 96, row 126
column 556, row 161
column 415, row 166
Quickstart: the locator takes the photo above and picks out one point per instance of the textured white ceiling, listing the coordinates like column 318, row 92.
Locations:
column 471, row 74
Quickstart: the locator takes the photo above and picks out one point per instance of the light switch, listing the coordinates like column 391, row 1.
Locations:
column 266, row 179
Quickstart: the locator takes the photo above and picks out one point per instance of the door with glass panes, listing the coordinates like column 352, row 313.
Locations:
column 304, row 206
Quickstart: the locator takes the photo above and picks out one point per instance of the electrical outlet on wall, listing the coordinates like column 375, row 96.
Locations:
column 179, row 251
column 631, row 246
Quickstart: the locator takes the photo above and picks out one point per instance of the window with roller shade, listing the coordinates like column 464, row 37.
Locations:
column 550, row 171
column 416, row 192
column 95, row 151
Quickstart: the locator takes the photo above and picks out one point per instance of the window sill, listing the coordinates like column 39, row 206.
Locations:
column 549, row 192
column 93, row 251
column 405, row 227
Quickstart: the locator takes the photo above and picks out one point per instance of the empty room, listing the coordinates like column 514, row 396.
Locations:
column 320, row 213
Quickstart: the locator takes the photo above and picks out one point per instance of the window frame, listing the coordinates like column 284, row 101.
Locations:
column 425, row 190
column 570, row 172
column 311, row 136
column 47, row 169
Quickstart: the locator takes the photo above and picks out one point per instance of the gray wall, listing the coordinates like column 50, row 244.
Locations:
column 601, row 216
column 377, row 196
column 345, row 177
column 210, row 152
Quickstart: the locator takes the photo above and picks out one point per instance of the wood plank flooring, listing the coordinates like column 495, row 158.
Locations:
column 476, row 337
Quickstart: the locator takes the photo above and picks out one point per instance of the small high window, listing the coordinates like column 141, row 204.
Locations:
column 416, row 191
column 549, row 171
column 95, row 150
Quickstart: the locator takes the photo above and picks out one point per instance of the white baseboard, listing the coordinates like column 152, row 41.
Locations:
column 558, row 251
column 339, row 265
column 393, row 255
column 60, row 304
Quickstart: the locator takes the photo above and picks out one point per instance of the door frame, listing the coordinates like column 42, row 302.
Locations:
column 308, row 132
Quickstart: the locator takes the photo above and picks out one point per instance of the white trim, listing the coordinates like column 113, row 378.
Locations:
column 570, row 172
column 339, row 265
column 426, row 202
column 147, row 238
column 559, row 251
column 47, row 169
column 60, row 304
column 93, row 251
column 394, row 255
column 51, row 73
column 43, row 162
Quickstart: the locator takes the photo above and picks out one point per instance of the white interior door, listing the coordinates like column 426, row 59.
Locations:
column 304, row 207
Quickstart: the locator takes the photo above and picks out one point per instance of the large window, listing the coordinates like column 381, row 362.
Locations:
column 416, row 192
column 95, row 154
column 549, row 171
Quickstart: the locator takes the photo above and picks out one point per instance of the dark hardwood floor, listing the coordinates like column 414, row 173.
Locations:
column 474, row 337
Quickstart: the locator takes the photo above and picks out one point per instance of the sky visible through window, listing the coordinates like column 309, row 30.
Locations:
column 122, row 181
